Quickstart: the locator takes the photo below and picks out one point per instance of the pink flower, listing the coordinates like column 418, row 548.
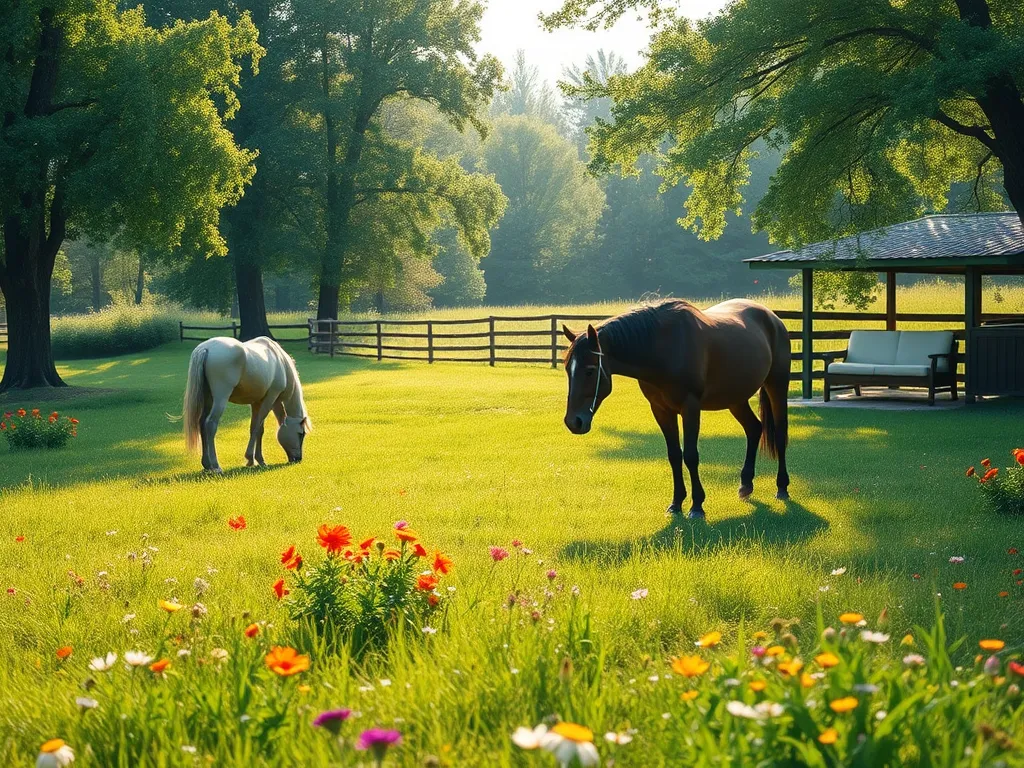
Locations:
column 516, row 543
column 498, row 554
column 401, row 525
column 552, row 574
column 758, row 651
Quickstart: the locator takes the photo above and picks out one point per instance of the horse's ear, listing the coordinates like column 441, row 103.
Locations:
column 568, row 334
column 592, row 337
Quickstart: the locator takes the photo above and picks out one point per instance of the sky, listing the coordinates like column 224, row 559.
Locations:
column 509, row 25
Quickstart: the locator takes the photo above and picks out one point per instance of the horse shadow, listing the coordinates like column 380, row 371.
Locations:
column 202, row 476
column 764, row 525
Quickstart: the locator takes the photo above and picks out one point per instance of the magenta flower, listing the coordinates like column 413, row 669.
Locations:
column 332, row 719
column 758, row 651
column 401, row 525
column 552, row 574
column 498, row 554
column 516, row 543
column 377, row 741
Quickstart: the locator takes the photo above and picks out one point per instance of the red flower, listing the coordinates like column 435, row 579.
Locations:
column 3, row 426
column 1017, row 668
column 35, row 413
column 237, row 523
column 498, row 554
column 21, row 413
column 280, row 589
column 433, row 599
column 291, row 559
column 917, row 576
column 960, row 585
column 19, row 539
column 442, row 564
column 427, row 582
column 990, row 474
column 252, row 630
column 419, row 551
column 74, row 421
column 1018, row 571
column 334, row 539
column 970, row 471
column 1018, row 454
column 366, row 544
column 986, row 462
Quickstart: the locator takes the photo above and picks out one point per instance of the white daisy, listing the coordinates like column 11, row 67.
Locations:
column 137, row 658
column 103, row 663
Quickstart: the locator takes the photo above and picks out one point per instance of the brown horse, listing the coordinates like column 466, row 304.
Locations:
column 688, row 361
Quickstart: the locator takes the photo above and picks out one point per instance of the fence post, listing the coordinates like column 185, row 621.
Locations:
column 332, row 334
column 490, row 321
column 181, row 330
column 380, row 341
column 309, row 336
column 234, row 329
column 430, row 341
column 807, row 336
column 554, row 341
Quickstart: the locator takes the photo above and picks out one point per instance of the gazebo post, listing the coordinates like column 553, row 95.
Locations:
column 807, row 339
column 972, row 319
column 890, row 301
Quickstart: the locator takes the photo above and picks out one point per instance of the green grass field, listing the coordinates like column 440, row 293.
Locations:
column 472, row 457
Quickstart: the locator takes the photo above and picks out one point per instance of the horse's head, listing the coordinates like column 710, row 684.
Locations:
column 589, row 380
column 290, row 435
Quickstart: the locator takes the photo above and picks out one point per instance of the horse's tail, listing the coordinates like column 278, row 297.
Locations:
column 192, row 412
column 768, row 438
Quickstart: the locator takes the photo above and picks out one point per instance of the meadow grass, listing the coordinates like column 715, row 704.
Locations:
column 472, row 457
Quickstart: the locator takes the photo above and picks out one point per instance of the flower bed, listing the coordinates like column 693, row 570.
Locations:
column 1003, row 491
column 27, row 430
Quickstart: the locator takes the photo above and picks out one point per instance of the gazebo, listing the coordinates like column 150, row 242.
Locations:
column 971, row 245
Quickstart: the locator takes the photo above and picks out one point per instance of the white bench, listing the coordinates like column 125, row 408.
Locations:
column 894, row 359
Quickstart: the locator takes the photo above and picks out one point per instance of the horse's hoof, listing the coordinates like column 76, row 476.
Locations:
column 696, row 514
column 783, row 495
column 215, row 471
column 746, row 491
column 675, row 509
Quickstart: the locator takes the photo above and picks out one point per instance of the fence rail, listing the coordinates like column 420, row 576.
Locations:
column 234, row 328
column 538, row 339
column 3, row 331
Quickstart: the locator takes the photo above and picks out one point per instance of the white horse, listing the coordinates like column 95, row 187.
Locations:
column 257, row 373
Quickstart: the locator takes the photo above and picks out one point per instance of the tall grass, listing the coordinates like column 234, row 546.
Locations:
column 114, row 330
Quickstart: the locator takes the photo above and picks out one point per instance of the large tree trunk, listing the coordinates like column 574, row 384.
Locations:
column 252, row 309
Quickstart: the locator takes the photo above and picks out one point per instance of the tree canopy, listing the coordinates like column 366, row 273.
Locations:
column 879, row 109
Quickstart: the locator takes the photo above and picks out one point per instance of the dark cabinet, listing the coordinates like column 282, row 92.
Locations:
column 995, row 360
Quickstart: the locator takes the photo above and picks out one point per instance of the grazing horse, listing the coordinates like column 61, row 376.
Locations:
column 688, row 361
column 257, row 373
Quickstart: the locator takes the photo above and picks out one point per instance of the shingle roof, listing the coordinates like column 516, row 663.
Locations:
column 942, row 236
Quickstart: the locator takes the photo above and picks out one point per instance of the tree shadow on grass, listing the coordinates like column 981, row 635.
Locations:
column 764, row 525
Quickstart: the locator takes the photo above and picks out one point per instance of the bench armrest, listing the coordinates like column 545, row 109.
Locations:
column 831, row 357
column 940, row 355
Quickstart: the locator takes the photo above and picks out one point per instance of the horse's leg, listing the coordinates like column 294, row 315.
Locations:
column 691, row 431
column 260, row 411
column 669, row 423
column 778, row 397
column 752, row 428
column 207, row 407
column 210, row 431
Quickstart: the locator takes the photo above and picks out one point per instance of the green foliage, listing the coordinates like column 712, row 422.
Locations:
column 1002, row 489
column 25, row 431
column 554, row 207
column 114, row 330
column 462, row 280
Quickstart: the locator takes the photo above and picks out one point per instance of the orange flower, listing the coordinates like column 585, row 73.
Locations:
column 406, row 534
column 35, row 413
column 366, row 544
column 970, row 471
column 827, row 660
column 757, row 685
column 829, row 736
column 252, row 630
column 710, row 640
column 237, row 523
column 791, row 668
column 990, row 474
column 960, row 585
column 689, row 695
column 1004, row 593
column 334, row 539
column 433, row 600
column 392, row 554
column 63, row 652
column 991, row 645
column 442, row 564
column 21, row 412
column 807, row 681
column 774, row 650
column 280, row 589
column 427, row 582
column 986, row 462
column 286, row 662
column 419, row 551
column 19, row 539
column 158, row 667
column 690, row 666
column 845, row 704
column 74, row 421
column 291, row 559
column 851, row 618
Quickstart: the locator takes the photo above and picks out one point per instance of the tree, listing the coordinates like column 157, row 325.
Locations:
column 585, row 112
column 879, row 108
column 349, row 59
column 462, row 282
column 553, row 208
column 112, row 129
column 528, row 95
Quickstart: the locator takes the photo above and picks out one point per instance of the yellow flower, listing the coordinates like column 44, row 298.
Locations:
column 304, row 688
column 851, row 618
column 907, row 640
column 827, row 660
column 168, row 606
column 757, row 685
column 577, row 733
column 845, row 704
column 689, row 695
column 807, row 681
column 710, row 640
column 829, row 736
column 991, row 645
column 774, row 650
column 690, row 666
column 791, row 668
column 759, row 635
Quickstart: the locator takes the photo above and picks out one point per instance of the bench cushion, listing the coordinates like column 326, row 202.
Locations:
column 854, row 369
column 873, row 347
column 903, row 370
column 915, row 346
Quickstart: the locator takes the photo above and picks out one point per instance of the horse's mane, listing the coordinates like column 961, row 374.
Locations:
column 634, row 330
column 289, row 361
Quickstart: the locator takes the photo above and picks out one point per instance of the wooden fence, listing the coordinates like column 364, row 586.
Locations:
column 233, row 329
column 539, row 339
column 3, row 331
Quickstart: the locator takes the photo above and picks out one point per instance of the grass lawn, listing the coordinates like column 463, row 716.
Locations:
column 472, row 457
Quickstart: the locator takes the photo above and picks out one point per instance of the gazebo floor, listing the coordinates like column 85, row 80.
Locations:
column 883, row 400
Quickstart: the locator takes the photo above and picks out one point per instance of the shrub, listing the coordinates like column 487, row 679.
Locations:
column 361, row 593
column 115, row 330
column 25, row 430
column 1003, row 491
